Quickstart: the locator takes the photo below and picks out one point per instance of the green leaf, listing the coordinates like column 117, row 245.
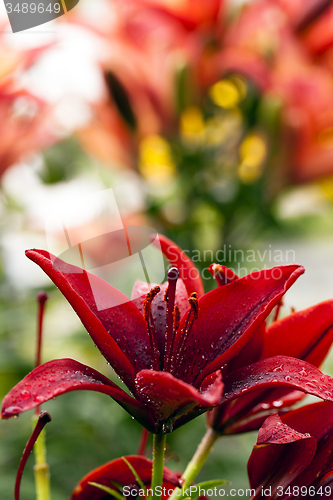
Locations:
column 203, row 486
column 111, row 491
column 136, row 475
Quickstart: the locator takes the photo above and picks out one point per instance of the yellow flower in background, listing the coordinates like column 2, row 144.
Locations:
column 228, row 93
column 192, row 125
column 326, row 185
column 252, row 152
column 156, row 164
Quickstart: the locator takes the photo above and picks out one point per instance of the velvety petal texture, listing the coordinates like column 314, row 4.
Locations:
column 281, row 453
column 180, row 351
column 281, row 371
column 170, row 397
column 111, row 324
column 117, row 472
column 312, row 334
column 307, row 335
column 293, row 451
column 228, row 317
column 60, row 376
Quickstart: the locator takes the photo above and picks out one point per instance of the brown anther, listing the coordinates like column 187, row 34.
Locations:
column 193, row 301
column 176, row 318
column 148, row 300
column 222, row 274
column 166, row 294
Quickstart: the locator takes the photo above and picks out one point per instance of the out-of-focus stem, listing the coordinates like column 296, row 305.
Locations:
column 197, row 461
column 41, row 468
column 158, row 463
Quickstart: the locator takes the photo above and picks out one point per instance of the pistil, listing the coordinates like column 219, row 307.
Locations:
column 150, row 327
column 170, row 295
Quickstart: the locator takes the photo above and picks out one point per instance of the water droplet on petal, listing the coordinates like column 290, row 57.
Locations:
column 25, row 394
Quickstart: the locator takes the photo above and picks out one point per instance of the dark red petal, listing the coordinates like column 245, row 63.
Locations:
column 119, row 331
column 228, row 317
column 159, row 305
column 327, row 480
column 117, row 471
column 278, row 371
column 64, row 375
column 251, row 352
column 312, row 334
column 178, row 258
column 169, row 397
column 250, row 411
column 316, row 419
column 279, row 456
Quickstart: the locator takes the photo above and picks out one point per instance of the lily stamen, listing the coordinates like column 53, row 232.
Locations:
column 150, row 326
column 222, row 274
column 277, row 310
column 176, row 318
column 191, row 317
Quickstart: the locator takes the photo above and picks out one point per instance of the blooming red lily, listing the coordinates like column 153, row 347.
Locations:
column 168, row 354
column 119, row 472
column 305, row 335
column 293, row 455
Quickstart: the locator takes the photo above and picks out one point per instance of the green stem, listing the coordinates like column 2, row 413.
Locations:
column 198, row 460
column 41, row 469
column 158, row 463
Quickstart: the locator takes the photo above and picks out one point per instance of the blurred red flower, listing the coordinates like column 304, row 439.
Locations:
column 118, row 473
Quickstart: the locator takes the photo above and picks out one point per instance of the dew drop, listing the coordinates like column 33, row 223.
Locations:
column 25, row 394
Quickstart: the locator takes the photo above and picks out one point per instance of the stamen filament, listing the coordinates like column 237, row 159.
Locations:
column 176, row 318
column 277, row 310
column 41, row 298
column 191, row 317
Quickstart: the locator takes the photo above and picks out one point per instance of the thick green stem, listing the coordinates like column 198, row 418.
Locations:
column 198, row 460
column 158, row 463
column 41, row 469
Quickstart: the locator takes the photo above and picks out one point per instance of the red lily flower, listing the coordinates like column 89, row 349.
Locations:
column 168, row 356
column 119, row 472
column 293, row 455
column 306, row 335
